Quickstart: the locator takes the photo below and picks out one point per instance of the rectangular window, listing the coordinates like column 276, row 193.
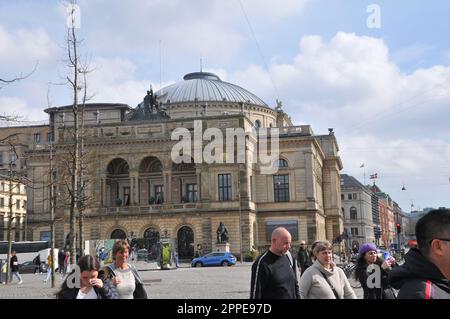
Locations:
column 3, row 186
column 13, row 158
column 1, row 159
column 37, row 138
column 224, row 187
column 290, row 225
column 342, row 197
column 251, row 189
column 126, row 196
column 2, row 202
column 159, row 194
column 50, row 137
column 191, row 193
column 18, row 204
column 349, row 196
column 355, row 196
column 281, row 188
column 354, row 231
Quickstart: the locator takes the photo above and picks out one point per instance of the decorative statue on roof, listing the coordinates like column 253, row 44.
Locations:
column 150, row 102
column 279, row 107
column 222, row 233
column 150, row 109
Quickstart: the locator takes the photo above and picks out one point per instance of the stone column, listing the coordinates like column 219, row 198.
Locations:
column 134, row 174
column 199, row 174
column 309, row 169
column 167, row 176
column 103, row 196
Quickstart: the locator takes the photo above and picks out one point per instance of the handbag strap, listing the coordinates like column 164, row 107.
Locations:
column 331, row 286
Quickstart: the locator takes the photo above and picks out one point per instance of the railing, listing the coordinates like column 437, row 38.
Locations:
column 301, row 129
column 157, row 208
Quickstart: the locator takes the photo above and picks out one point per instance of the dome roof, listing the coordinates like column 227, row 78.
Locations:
column 204, row 86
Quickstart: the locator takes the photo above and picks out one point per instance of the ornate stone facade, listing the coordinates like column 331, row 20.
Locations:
column 136, row 190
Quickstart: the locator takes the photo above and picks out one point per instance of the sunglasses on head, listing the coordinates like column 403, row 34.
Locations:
column 443, row 239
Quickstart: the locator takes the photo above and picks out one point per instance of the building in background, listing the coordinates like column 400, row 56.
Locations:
column 17, row 191
column 357, row 209
column 135, row 188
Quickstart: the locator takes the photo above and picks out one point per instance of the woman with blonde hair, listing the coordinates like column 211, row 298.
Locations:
column 124, row 276
column 323, row 280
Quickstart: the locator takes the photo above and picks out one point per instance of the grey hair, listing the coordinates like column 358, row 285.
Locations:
column 321, row 245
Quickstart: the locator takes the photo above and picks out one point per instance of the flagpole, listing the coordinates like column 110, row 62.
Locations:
column 364, row 175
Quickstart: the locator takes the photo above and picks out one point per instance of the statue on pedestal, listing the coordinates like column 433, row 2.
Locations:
column 222, row 233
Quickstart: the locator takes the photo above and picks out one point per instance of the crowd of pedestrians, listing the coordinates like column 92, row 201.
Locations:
column 425, row 273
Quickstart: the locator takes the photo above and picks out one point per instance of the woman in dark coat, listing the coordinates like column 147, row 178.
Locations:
column 91, row 286
column 368, row 256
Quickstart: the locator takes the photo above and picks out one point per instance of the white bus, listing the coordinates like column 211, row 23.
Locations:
column 25, row 250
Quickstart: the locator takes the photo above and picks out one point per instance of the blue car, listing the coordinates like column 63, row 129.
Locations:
column 215, row 259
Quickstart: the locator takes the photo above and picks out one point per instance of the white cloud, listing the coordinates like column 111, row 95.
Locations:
column 114, row 80
column 273, row 9
column 392, row 121
column 202, row 27
column 352, row 78
column 14, row 106
column 421, row 165
column 24, row 47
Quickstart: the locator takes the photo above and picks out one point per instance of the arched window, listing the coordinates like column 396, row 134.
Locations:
column 353, row 213
column 118, row 234
column 257, row 124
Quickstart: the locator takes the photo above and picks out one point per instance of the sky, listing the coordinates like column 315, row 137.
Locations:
column 377, row 72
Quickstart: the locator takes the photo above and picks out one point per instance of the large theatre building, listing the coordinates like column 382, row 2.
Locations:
column 134, row 189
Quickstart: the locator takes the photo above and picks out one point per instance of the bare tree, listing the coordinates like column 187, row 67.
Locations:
column 14, row 183
column 74, row 164
column 4, row 82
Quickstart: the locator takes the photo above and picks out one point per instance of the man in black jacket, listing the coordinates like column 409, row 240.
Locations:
column 426, row 271
column 14, row 265
column 274, row 273
column 303, row 259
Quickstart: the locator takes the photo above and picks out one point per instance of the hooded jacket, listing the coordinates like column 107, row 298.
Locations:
column 418, row 278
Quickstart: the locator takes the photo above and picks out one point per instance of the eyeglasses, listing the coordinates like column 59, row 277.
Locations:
column 372, row 252
column 443, row 239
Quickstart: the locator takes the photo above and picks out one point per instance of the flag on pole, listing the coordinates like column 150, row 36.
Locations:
column 362, row 165
column 374, row 176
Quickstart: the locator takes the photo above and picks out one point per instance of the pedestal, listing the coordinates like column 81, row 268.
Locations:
column 222, row 247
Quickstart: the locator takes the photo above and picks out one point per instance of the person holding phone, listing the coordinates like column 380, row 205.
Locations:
column 124, row 276
column 91, row 286
column 367, row 256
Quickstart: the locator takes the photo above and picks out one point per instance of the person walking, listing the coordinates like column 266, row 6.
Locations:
column 91, row 284
column 425, row 273
column 37, row 264
column 303, row 257
column 61, row 257
column 124, row 276
column 368, row 256
column 14, row 265
column 274, row 273
column 323, row 280
column 66, row 262
column 49, row 266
